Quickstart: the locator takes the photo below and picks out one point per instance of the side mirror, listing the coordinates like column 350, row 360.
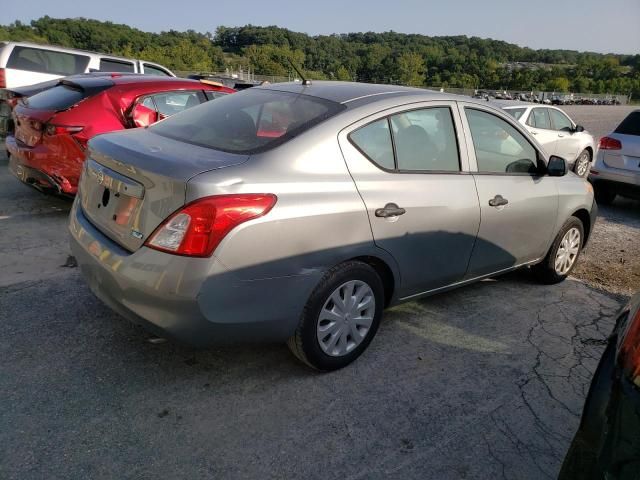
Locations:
column 142, row 116
column 578, row 129
column 557, row 166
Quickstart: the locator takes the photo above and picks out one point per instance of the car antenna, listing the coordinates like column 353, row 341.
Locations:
column 305, row 82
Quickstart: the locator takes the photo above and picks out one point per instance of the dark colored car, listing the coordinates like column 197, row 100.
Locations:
column 607, row 444
column 52, row 127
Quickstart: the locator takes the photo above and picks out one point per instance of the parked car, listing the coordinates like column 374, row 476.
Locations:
column 9, row 98
column 52, row 127
column 607, row 444
column 300, row 212
column 617, row 167
column 558, row 134
column 23, row 63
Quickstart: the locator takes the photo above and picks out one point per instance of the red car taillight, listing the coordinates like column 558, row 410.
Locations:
column 3, row 78
column 52, row 130
column 630, row 350
column 199, row 227
column 608, row 143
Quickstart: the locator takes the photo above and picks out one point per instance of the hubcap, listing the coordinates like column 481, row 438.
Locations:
column 346, row 318
column 583, row 164
column 568, row 251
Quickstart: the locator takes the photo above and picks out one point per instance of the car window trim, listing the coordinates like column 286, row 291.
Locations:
column 548, row 116
column 540, row 158
column 387, row 117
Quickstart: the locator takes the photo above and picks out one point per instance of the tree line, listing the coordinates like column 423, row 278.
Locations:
column 389, row 57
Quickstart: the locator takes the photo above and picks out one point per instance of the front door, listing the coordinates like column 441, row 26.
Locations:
column 518, row 204
column 568, row 144
column 414, row 180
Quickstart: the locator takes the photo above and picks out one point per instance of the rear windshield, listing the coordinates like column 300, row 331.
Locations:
column 630, row 125
column 47, row 61
column 57, row 98
column 516, row 112
column 248, row 122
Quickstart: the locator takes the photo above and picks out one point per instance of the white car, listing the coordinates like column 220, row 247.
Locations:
column 23, row 63
column 558, row 134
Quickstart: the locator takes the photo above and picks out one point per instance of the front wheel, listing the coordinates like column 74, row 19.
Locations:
column 563, row 254
column 340, row 318
column 583, row 162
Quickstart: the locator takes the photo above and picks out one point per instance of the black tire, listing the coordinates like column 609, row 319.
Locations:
column 604, row 196
column 545, row 271
column 576, row 165
column 304, row 343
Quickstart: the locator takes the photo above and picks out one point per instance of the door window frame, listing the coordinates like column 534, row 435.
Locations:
column 541, row 159
column 553, row 124
column 463, row 163
column 548, row 116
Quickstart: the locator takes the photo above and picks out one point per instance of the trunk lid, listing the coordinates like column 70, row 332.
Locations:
column 133, row 180
column 628, row 158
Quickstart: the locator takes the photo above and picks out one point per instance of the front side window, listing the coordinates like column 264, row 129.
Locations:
column 425, row 140
column 499, row 147
column 110, row 65
column 47, row 61
column 251, row 121
column 213, row 94
column 560, row 121
column 374, row 140
column 539, row 118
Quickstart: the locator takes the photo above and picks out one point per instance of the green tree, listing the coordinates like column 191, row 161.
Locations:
column 410, row 69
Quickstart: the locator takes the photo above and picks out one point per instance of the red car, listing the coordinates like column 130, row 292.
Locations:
column 52, row 127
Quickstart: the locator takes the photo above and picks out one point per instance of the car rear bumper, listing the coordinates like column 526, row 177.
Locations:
column 37, row 166
column 193, row 300
column 608, row 440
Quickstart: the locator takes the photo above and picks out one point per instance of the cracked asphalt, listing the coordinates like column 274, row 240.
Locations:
column 483, row 382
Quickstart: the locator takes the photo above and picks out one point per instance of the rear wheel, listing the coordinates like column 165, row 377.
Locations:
column 583, row 162
column 340, row 318
column 604, row 196
column 563, row 254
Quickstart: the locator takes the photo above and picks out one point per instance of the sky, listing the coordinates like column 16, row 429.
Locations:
column 606, row 26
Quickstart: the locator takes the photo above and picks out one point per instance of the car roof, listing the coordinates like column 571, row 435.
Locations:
column 128, row 79
column 363, row 93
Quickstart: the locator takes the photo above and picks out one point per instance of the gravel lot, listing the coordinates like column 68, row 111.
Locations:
column 483, row 382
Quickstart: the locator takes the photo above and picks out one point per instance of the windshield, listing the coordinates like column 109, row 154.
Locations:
column 248, row 122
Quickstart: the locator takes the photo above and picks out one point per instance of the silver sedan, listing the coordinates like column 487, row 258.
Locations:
column 300, row 212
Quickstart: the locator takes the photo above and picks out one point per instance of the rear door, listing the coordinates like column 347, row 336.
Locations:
column 518, row 205
column 410, row 167
column 28, row 65
column 539, row 125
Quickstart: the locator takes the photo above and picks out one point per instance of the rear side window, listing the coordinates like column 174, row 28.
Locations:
column 425, row 140
column 539, row 118
column 151, row 70
column 374, row 141
column 212, row 94
column 630, row 125
column 516, row 112
column 110, row 65
column 57, row 98
column 248, row 122
column 47, row 61
column 170, row 103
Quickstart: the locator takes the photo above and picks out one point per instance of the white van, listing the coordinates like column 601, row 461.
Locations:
column 23, row 63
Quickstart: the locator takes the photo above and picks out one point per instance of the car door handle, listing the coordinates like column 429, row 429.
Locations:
column 534, row 133
column 498, row 201
column 560, row 135
column 390, row 210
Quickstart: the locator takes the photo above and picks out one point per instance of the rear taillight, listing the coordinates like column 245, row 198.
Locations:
column 3, row 78
column 630, row 350
column 608, row 143
column 52, row 130
column 198, row 228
